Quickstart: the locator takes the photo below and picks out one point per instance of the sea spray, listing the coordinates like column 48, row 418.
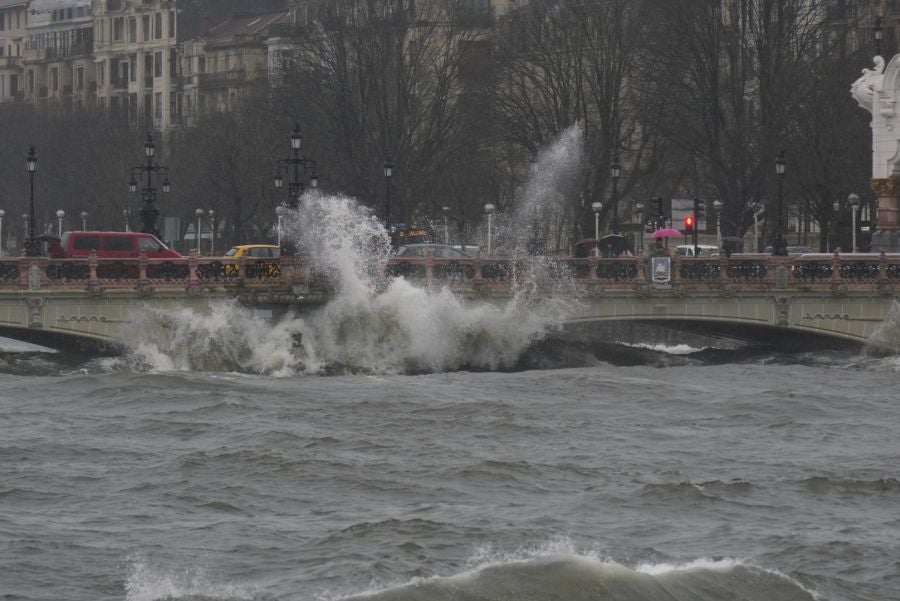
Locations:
column 373, row 324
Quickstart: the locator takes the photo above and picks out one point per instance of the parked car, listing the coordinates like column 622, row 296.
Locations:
column 259, row 259
column 792, row 250
column 111, row 245
column 438, row 251
column 703, row 250
column 443, row 269
column 257, row 251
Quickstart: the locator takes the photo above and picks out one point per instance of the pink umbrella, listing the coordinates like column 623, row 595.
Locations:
column 666, row 232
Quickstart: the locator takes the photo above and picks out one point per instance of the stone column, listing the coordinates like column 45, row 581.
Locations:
column 886, row 237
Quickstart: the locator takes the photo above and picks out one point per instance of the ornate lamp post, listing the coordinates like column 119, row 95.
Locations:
column 853, row 201
column 84, row 216
column 717, row 205
column 489, row 211
column 199, row 214
column 212, row 232
column 2, row 215
column 388, row 173
column 149, row 211
column 615, row 170
column 32, row 246
column 446, row 211
column 639, row 209
column 59, row 219
column 297, row 184
column 779, row 245
column 878, row 33
column 597, row 207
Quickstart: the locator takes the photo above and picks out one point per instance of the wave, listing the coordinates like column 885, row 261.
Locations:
column 576, row 578
column 824, row 484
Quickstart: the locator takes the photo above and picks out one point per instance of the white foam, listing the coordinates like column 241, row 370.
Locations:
column 151, row 583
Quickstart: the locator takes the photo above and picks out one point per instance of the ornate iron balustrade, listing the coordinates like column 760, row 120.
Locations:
column 853, row 272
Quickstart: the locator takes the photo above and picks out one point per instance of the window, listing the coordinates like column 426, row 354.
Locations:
column 148, row 245
column 157, row 102
column 171, row 23
column 79, row 78
column 86, row 243
column 2, row 21
column 157, row 26
column 69, row 13
column 132, row 30
column 54, row 79
column 145, row 28
column 118, row 25
column 117, row 243
column 132, row 68
column 157, row 64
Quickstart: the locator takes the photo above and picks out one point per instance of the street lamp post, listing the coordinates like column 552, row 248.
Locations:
column 2, row 215
column 489, row 211
column 639, row 209
column 717, row 205
column 296, row 186
column 779, row 245
column 878, row 32
column 446, row 211
column 853, row 201
column 32, row 246
column 59, row 219
column 84, row 216
column 615, row 170
column 149, row 211
column 199, row 214
column 597, row 207
column 388, row 173
column 212, row 232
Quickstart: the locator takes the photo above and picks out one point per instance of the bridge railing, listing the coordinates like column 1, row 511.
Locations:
column 191, row 271
column 736, row 273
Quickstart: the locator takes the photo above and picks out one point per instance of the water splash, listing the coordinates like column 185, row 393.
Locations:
column 371, row 325
column 546, row 199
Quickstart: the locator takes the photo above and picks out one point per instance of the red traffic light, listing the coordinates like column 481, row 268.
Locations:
column 689, row 223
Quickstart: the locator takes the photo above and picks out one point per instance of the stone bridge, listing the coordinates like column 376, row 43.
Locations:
column 93, row 303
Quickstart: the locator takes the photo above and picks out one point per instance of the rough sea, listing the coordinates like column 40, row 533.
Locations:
column 404, row 444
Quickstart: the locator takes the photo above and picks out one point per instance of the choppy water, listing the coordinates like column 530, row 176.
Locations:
column 766, row 478
column 402, row 444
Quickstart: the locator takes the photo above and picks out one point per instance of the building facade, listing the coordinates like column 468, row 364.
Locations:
column 57, row 62
column 135, row 57
column 13, row 21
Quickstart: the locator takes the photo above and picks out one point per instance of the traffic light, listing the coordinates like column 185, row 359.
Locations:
column 699, row 209
column 689, row 223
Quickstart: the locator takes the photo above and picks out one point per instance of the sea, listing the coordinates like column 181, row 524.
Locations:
column 685, row 475
column 405, row 443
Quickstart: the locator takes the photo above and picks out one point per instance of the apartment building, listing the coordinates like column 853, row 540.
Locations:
column 58, row 61
column 13, row 21
column 135, row 56
column 221, row 66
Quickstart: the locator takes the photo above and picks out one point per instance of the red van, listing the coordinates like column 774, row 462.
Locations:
column 111, row 245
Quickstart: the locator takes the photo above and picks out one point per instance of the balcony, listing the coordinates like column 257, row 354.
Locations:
column 222, row 78
column 10, row 61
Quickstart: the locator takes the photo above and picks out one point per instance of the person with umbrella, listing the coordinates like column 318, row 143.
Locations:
column 661, row 236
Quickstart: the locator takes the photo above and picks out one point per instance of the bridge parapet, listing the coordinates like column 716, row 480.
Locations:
column 738, row 273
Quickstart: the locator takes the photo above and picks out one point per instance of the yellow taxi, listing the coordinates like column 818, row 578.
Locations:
column 259, row 259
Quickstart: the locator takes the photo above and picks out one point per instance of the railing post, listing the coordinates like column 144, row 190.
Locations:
column 476, row 262
column 92, row 268
column 142, row 266
column 723, row 268
column 242, row 268
column 882, row 267
column 593, row 262
column 192, row 268
column 836, row 268
column 429, row 265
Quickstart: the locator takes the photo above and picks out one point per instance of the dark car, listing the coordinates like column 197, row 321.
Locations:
column 792, row 250
column 438, row 251
column 447, row 267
